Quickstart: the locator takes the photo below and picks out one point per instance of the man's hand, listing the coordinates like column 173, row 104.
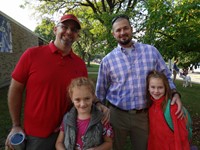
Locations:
column 176, row 99
column 106, row 112
column 15, row 129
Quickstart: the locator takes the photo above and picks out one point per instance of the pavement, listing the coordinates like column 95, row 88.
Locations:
column 195, row 77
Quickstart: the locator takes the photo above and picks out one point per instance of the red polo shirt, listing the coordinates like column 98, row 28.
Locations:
column 46, row 74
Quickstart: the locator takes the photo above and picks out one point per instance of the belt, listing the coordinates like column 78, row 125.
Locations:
column 134, row 111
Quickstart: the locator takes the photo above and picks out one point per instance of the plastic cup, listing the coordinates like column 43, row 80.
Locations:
column 17, row 140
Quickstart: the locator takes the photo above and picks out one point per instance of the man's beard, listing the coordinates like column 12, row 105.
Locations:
column 125, row 42
column 67, row 41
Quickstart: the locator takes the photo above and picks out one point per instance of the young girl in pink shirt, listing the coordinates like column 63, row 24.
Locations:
column 81, row 128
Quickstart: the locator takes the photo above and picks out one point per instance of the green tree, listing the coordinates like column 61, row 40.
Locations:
column 102, row 11
column 171, row 25
column 174, row 29
column 45, row 29
column 90, row 43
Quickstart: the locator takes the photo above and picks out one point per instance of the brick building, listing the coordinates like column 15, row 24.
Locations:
column 14, row 40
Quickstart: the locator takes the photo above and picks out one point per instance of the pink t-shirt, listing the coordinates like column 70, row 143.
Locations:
column 82, row 127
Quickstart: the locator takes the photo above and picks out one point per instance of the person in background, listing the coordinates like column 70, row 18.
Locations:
column 122, row 82
column 161, row 136
column 81, row 127
column 185, row 72
column 44, row 72
column 175, row 70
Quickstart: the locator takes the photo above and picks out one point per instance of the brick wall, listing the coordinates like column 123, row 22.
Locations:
column 22, row 38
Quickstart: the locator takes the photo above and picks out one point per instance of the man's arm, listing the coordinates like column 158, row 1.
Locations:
column 15, row 96
column 104, row 109
column 176, row 98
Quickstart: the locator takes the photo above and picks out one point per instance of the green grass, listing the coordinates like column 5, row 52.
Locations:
column 190, row 99
column 93, row 68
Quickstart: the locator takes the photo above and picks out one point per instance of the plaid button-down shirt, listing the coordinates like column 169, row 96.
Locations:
column 122, row 76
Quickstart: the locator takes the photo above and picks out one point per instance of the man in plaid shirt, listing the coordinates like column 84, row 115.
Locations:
column 122, row 82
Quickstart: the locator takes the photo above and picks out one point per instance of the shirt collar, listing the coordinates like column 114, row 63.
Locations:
column 54, row 49
column 123, row 49
column 158, row 100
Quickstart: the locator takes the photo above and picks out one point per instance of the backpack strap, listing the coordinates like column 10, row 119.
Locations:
column 188, row 122
column 187, row 118
column 167, row 115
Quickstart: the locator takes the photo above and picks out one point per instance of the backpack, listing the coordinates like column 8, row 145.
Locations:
column 187, row 119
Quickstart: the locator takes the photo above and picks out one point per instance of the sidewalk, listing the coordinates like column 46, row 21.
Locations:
column 195, row 77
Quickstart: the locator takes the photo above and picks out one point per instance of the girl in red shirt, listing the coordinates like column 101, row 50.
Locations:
column 160, row 135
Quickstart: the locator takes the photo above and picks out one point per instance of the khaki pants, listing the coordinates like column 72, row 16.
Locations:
column 129, row 124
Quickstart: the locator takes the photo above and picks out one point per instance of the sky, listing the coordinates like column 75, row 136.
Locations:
column 23, row 16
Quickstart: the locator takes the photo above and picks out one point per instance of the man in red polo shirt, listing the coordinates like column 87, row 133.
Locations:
column 45, row 72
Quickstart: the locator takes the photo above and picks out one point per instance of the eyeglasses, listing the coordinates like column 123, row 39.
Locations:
column 120, row 16
column 65, row 27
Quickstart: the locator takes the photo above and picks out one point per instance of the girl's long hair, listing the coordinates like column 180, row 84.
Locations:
column 158, row 75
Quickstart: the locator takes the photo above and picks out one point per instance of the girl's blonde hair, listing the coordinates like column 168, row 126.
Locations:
column 81, row 81
column 158, row 75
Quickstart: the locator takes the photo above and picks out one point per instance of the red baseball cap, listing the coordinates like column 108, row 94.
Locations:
column 70, row 17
